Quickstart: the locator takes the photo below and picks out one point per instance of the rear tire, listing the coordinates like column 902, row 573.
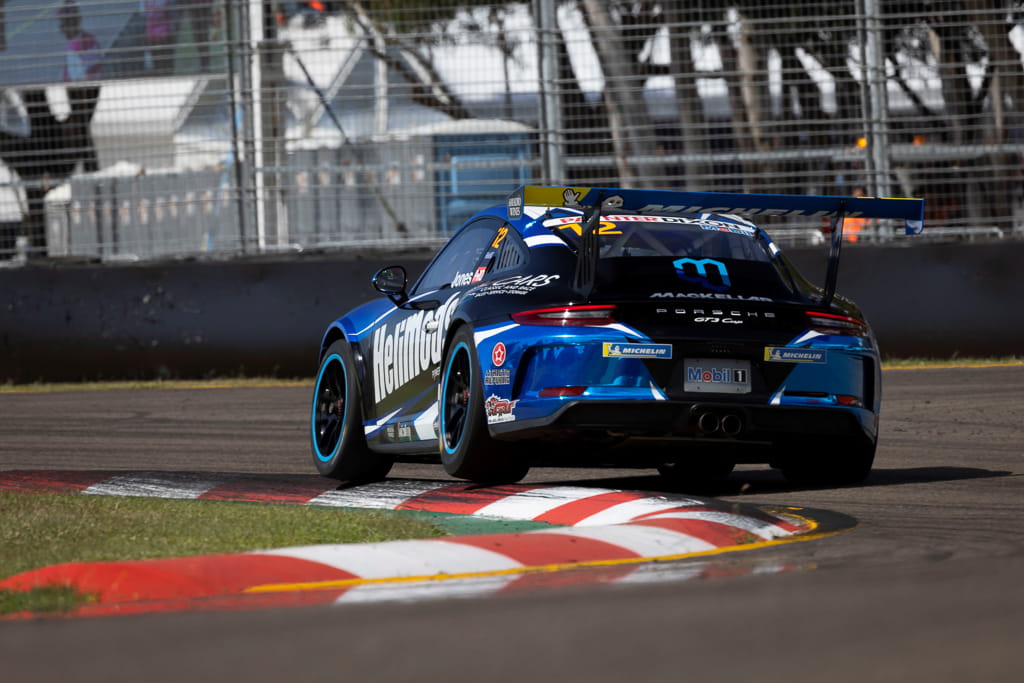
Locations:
column 467, row 449
column 337, row 440
column 827, row 464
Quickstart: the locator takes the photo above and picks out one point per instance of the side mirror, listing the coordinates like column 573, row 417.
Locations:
column 391, row 281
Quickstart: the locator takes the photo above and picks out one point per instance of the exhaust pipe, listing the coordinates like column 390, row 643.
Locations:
column 731, row 424
column 708, row 423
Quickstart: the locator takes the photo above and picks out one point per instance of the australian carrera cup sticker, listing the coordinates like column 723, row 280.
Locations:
column 617, row 350
column 783, row 355
column 498, row 377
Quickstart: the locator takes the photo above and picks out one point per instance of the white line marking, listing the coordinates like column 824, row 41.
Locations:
column 639, row 539
column 183, row 485
column 542, row 240
column 427, row 590
column 424, row 424
column 536, row 502
column 487, row 334
column 765, row 530
column 386, row 495
column 392, row 559
column 373, row 426
column 630, row 510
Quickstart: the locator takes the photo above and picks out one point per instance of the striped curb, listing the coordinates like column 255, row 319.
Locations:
column 544, row 503
column 613, row 535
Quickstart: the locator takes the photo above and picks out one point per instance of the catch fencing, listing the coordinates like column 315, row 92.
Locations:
column 137, row 130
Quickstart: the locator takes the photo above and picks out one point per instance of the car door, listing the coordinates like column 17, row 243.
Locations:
column 406, row 346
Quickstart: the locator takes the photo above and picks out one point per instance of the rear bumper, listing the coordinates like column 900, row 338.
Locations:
column 672, row 420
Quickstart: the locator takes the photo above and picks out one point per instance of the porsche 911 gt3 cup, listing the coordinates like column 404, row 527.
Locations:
column 591, row 325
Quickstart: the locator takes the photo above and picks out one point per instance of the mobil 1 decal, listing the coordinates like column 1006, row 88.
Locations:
column 408, row 347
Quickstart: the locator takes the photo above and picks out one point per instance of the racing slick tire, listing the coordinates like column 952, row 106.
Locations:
column 829, row 464
column 467, row 449
column 336, row 425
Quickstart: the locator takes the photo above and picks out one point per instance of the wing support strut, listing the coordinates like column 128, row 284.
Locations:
column 590, row 251
column 834, row 253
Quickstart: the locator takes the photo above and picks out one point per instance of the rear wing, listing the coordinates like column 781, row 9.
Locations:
column 591, row 200
column 747, row 205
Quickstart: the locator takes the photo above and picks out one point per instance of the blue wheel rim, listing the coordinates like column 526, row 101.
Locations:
column 330, row 408
column 458, row 382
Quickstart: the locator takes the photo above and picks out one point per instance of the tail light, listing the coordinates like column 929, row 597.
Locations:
column 830, row 323
column 561, row 392
column 841, row 399
column 567, row 316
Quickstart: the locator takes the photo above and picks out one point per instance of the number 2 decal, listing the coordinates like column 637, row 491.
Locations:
column 605, row 228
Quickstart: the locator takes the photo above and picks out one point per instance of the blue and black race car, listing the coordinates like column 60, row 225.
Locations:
column 605, row 326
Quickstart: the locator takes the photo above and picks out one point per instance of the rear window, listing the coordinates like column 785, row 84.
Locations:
column 714, row 257
column 635, row 235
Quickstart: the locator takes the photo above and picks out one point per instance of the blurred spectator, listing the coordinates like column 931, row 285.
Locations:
column 160, row 34
column 852, row 227
column 83, row 61
column 203, row 22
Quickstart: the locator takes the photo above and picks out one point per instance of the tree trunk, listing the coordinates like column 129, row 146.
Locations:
column 745, row 125
column 1006, row 103
column 693, row 130
column 633, row 136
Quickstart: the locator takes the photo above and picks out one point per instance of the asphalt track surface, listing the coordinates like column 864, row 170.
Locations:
column 928, row 587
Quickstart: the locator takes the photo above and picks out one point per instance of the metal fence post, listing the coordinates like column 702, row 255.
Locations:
column 876, row 117
column 550, row 115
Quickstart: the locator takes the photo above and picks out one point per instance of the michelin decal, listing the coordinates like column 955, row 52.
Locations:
column 781, row 354
column 620, row 350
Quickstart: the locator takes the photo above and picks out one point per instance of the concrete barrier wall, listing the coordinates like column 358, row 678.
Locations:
column 265, row 317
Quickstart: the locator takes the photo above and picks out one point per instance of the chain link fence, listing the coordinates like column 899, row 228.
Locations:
column 144, row 129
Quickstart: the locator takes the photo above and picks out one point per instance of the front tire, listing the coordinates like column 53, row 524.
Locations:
column 338, row 442
column 467, row 449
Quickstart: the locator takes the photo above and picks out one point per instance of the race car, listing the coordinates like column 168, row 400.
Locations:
column 592, row 326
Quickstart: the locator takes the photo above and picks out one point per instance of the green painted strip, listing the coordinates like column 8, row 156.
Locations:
column 467, row 525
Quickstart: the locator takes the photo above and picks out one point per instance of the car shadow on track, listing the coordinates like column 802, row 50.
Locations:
column 761, row 481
